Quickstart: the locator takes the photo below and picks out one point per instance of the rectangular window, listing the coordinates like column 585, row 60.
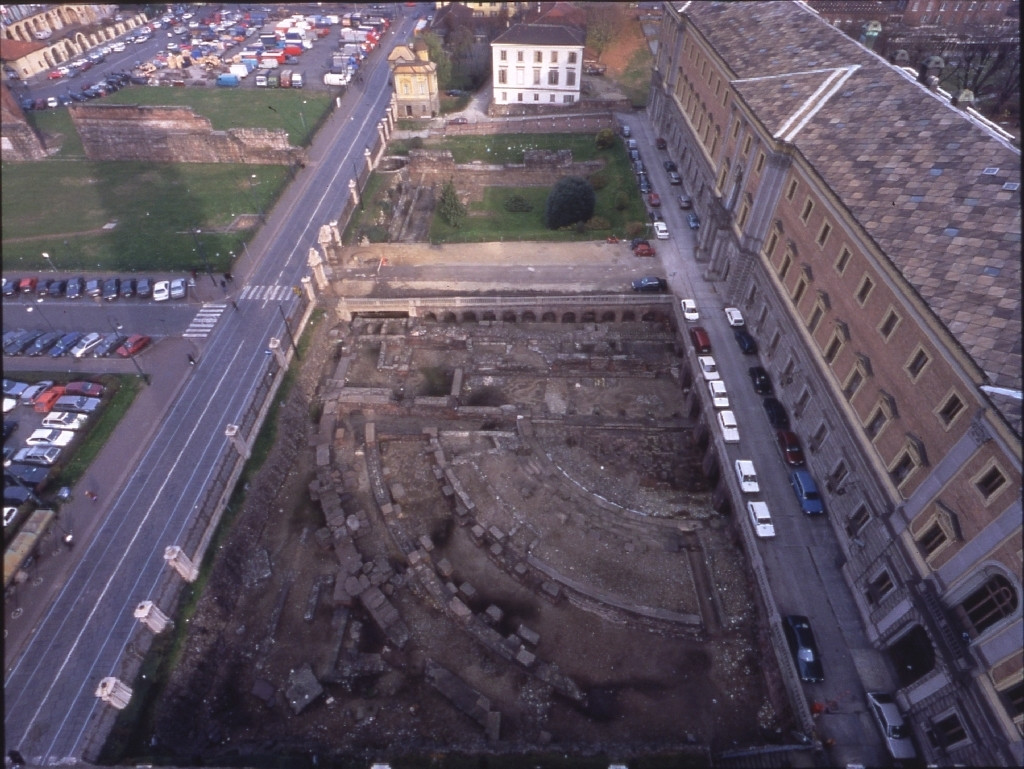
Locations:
column 879, row 587
column 990, row 482
column 744, row 213
column 819, row 435
column 773, row 241
column 902, row 469
column 568, row 99
column 864, row 291
column 832, row 350
column 746, row 145
column 798, row 292
column 933, row 538
column 502, row 55
column 889, row 325
column 536, row 77
column 791, row 190
column 855, row 525
column 917, row 363
column 502, row 77
column 519, row 55
column 875, row 425
column 801, row 402
column 760, row 162
column 551, row 98
column 570, row 77
column 949, row 731
column 735, row 129
column 519, row 96
column 950, row 409
column 554, row 57
column 784, row 267
column 552, row 77
column 538, row 57
column 806, row 213
column 536, row 97
column 826, row 230
column 812, row 324
column 572, row 57
column 853, row 384
column 843, row 260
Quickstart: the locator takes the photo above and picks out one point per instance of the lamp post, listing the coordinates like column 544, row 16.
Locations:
column 117, row 327
column 49, row 260
column 41, row 315
column 202, row 253
column 302, row 116
column 287, row 329
column 255, row 202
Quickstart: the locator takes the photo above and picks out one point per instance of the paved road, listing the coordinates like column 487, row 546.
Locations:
column 152, row 491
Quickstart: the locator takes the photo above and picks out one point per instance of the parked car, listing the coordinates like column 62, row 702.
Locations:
column 661, row 230
column 31, row 392
column 654, row 200
column 144, row 288
column 38, row 455
column 670, row 166
column 75, row 288
column 161, row 291
column 708, row 368
column 674, row 178
column 660, row 143
column 693, row 221
column 761, row 519
column 43, row 343
column 789, row 445
column 734, row 316
column 644, row 249
column 458, row 121
column 88, row 389
column 111, row 289
column 13, row 388
column 650, row 283
column 27, row 285
column 730, row 430
column 178, row 288
column 133, row 345
column 65, row 420
column 747, row 343
column 645, row 185
column 57, row 288
column 44, row 402
column 760, row 379
column 700, row 339
column 746, row 475
column 64, row 344
column 776, row 413
column 108, row 344
column 21, row 342
column 10, row 286
column 43, row 286
column 685, row 202
column 76, row 403
column 626, row 132
column 689, row 310
column 86, row 344
column 127, row 288
column 719, row 395
column 806, row 491
column 895, row 731
column 800, row 638
column 93, row 287
column 49, row 437
column 32, row 476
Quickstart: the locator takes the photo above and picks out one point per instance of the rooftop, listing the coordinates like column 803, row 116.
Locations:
column 937, row 190
column 540, row 34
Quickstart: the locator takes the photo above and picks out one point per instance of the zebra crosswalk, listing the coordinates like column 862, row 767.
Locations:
column 266, row 293
column 204, row 321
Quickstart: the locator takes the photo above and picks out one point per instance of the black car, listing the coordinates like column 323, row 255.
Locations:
column 144, row 288
column 650, row 283
column 75, row 289
column 776, row 413
column 746, row 342
column 805, row 651
column 57, row 289
column 43, row 343
column 670, row 166
column 760, row 379
column 43, row 286
column 17, row 345
column 110, row 343
column 111, row 288
column 65, row 343
column 10, row 286
column 128, row 288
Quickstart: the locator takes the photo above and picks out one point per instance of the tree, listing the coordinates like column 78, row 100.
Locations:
column 450, row 207
column 571, row 200
column 437, row 54
column 605, row 139
column 604, row 21
column 460, row 42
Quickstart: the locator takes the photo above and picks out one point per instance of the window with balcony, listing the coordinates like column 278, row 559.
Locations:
column 570, row 77
column 552, row 77
column 502, row 77
column 536, row 77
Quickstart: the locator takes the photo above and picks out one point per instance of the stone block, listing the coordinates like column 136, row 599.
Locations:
column 416, row 557
column 460, row 610
column 520, row 571
column 528, row 635
column 427, row 543
column 496, row 550
column 551, row 590
column 467, row 591
column 477, row 533
column 493, row 614
column 496, row 533
column 525, row 658
column 445, row 568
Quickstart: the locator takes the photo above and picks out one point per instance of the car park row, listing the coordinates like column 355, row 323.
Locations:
column 108, row 289
column 56, row 344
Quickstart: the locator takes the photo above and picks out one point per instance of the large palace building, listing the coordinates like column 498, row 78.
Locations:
column 869, row 226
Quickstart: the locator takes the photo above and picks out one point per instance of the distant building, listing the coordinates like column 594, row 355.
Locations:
column 870, row 230
column 415, row 79
column 537, row 65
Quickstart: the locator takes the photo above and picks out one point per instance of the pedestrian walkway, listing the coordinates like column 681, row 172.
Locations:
column 265, row 293
column 204, row 321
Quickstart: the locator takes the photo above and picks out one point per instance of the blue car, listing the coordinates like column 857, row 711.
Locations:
column 806, row 491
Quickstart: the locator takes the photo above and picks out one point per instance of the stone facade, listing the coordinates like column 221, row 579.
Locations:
column 175, row 135
column 18, row 140
column 540, row 168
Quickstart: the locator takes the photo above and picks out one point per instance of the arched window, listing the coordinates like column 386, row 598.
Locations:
column 993, row 601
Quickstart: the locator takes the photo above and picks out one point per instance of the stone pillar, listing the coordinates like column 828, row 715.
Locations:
column 369, row 160
column 316, row 264
column 353, row 192
column 279, row 356
column 181, row 563
column 150, row 615
column 231, row 431
column 383, row 127
column 335, row 232
column 114, row 692
column 307, row 284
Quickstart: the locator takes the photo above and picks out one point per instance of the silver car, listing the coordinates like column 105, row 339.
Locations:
column 894, row 728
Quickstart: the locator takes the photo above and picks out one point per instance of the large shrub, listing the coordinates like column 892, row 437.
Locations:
column 571, row 200
column 450, row 207
column 605, row 138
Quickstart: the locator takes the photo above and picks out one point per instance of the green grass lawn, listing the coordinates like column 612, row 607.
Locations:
column 61, row 205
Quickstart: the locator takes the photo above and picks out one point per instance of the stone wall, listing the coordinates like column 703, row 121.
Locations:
column 175, row 135
column 18, row 140
column 540, row 168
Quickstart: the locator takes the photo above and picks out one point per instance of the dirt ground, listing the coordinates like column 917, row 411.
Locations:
column 569, row 441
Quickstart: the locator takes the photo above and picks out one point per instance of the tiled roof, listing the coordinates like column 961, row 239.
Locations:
column 540, row 34
column 931, row 186
column 12, row 50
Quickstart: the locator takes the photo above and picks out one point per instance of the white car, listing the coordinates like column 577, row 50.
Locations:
column 730, row 430
column 50, row 438
column 661, row 230
column 761, row 519
column 65, row 420
column 734, row 316
column 719, row 395
column 894, row 728
column 38, row 455
column 10, row 513
column 29, row 394
column 86, row 344
column 708, row 367
column 747, row 476
column 161, row 291
column 690, row 310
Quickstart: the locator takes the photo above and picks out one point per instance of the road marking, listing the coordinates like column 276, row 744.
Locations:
column 204, row 321
column 274, row 293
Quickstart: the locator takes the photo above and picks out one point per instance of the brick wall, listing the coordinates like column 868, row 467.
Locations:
column 175, row 135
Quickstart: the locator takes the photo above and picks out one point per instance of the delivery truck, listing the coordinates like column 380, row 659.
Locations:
column 285, row 78
column 227, row 80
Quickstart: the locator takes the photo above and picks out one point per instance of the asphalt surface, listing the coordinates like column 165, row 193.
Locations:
column 152, row 481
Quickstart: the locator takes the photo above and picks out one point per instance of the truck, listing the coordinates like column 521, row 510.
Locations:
column 227, row 80
column 269, row 61
column 261, row 79
column 286, row 78
column 273, row 80
column 337, row 78
column 238, row 70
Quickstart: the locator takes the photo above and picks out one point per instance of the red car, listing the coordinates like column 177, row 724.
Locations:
column 133, row 344
column 654, row 200
column 88, row 389
column 644, row 249
column 55, row 75
column 790, row 447
column 660, row 143
column 28, row 285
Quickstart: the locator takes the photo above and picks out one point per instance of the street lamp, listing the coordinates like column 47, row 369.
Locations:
column 252, row 194
column 286, row 328
column 202, row 253
column 302, row 117
column 46, row 256
column 117, row 327
column 41, row 315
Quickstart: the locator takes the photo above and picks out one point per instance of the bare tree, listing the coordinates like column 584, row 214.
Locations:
column 604, row 21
